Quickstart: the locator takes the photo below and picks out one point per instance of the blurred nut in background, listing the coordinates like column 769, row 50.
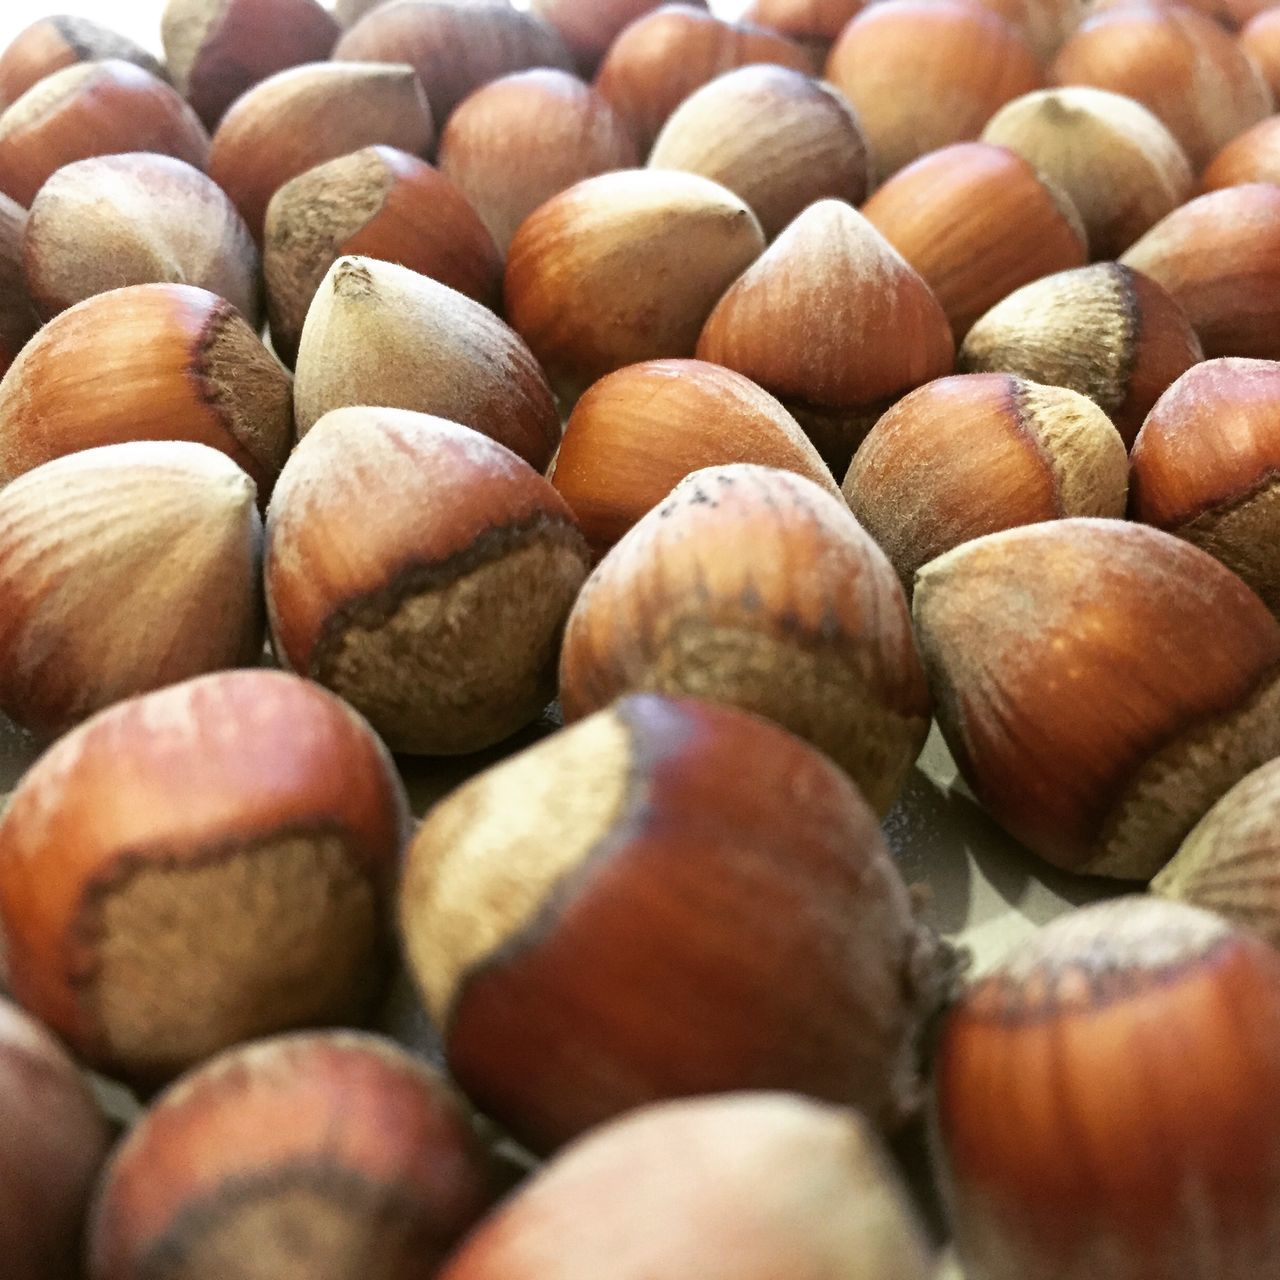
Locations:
column 18, row 320
column 812, row 23
column 1260, row 39
column 1252, row 156
column 589, row 29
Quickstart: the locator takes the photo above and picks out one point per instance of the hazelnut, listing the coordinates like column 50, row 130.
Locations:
column 923, row 73
column 1205, row 462
column 1260, row 39
column 776, row 138
column 829, row 285
column 1122, row 169
column 638, row 432
column 217, row 49
column 455, row 46
column 423, row 573
column 661, row 58
column 1043, row 24
column 380, row 203
column 92, row 109
column 199, row 866
column 757, row 588
column 1253, row 156
column 111, row 221
column 299, row 118
column 746, row 1187
column 977, row 453
column 977, row 221
column 123, row 569
column 1106, row 331
column 18, row 320
column 50, row 44
column 1219, row 257
column 622, row 268
column 600, row 921
column 149, row 362
column 815, row 24
column 1106, row 1107
column 515, row 143
column 1100, row 684
column 378, row 333
column 1179, row 63
column 589, row 29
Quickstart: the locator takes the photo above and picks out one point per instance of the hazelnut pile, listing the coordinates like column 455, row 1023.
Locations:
column 646, row 422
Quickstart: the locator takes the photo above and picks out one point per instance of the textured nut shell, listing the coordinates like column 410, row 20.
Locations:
column 378, row 333
column 622, row 268
column 55, row 1139
column 111, row 221
column 18, row 320
column 121, row 570
column 589, row 29
column 1253, row 156
column 924, row 73
column 776, row 138
column 1100, row 685
column 93, row 109
column 423, row 573
column 709, row 1172
column 379, row 203
column 455, row 46
column 515, row 143
column 1260, row 39
column 977, row 222
column 198, row 866
column 1179, row 63
column 1122, row 169
column 1219, row 257
column 300, row 118
column 297, row 1152
column 977, row 453
column 809, row 627
column 151, row 362
column 1105, row 331
column 660, row 59
column 1104, row 1107
column 218, row 49
column 538, row 909
column 638, row 432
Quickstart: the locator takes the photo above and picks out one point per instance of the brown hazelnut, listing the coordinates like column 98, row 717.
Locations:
column 815, row 24
column 589, row 29
column 378, row 203
column 1100, row 684
column 977, row 221
column 977, row 453
column 598, row 923
column 18, row 319
column 199, row 866
column 1106, row 331
column 423, row 573
column 1043, row 24
column 123, row 569
column 622, row 268
column 380, row 334
column 516, row 142
column 776, row 138
column 1253, row 156
column 149, row 362
column 1260, row 39
column 111, row 221
column 756, row 588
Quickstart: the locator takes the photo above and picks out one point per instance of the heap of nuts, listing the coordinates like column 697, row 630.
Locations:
column 709, row 404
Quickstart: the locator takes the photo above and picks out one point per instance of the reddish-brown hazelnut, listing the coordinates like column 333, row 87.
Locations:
column 589, row 29
column 757, row 588
column 925, row 73
column 1044, row 24
column 18, row 319
column 813, row 23
column 599, row 922
column 149, row 362
column 1106, row 1101
column 622, row 268
column 55, row 1140
column 1100, row 684
column 1105, row 331
column 638, row 432
column 378, row 203
column 332, row 1155
column 1260, row 39
column 93, row 109
column 830, row 285
column 423, row 573
column 111, row 221
column 380, row 334
column 518, row 141
column 299, row 118
column 1253, row 156
column 199, row 866
column 977, row 221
